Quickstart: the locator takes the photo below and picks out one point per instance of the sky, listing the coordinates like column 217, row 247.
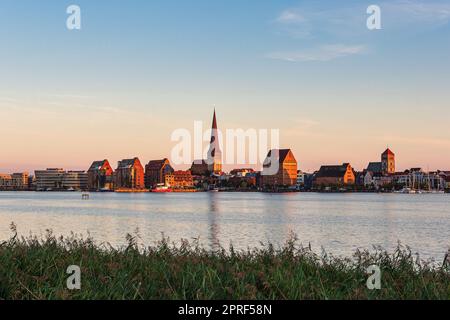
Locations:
column 138, row 70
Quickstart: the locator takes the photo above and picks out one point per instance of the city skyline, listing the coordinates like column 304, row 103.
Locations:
column 337, row 91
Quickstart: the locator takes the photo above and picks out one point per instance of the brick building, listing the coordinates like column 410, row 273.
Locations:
column 388, row 162
column 335, row 175
column 179, row 179
column 199, row 168
column 281, row 173
column 129, row 175
column 100, row 176
column 156, row 171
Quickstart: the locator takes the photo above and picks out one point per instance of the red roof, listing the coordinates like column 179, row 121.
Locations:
column 388, row 151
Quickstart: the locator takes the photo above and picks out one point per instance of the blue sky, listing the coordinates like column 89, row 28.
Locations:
column 311, row 68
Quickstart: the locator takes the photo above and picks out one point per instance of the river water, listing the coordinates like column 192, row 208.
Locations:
column 339, row 223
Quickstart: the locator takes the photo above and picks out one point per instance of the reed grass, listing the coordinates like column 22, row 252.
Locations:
column 35, row 268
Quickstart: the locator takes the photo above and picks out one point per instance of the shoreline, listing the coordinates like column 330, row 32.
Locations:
column 227, row 191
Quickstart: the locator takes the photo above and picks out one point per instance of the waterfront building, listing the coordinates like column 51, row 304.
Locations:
column 401, row 178
column 417, row 178
column 335, row 175
column 386, row 166
column 50, row 179
column 14, row 181
column 75, row 180
column 100, row 176
column 156, row 171
column 239, row 182
column 179, row 179
column 388, row 162
column 381, row 181
column 199, row 168
column 368, row 178
column 447, row 182
column 281, row 173
column 56, row 179
column 129, row 175
column 214, row 159
column 300, row 179
column 309, row 179
column 20, row 180
column 241, row 172
column 32, row 182
column 5, row 181
column 375, row 168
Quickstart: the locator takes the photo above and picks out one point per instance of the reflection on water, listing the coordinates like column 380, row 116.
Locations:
column 213, row 217
column 340, row 223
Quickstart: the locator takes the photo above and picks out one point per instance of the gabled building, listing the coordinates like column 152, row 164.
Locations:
column 100, row 176
column 199, row 168
column 279, row 169
column 156, row 171
column 335, row 175
column 129, row 175
column 375, row 168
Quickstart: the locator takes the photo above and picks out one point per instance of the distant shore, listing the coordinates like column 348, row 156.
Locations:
column 227, row 191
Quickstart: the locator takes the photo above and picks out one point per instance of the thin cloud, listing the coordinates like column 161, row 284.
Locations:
column 404, row 13
column 291, row 16
column 322, row 53
column 311, row 21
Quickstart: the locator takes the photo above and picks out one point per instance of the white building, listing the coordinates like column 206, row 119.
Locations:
column 300, row 179
column 58, row 179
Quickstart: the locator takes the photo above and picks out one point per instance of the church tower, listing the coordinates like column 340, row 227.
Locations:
column 388, row 162
column 214, row 152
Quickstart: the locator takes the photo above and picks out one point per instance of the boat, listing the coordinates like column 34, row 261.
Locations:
column 406, row 190
column 162, row 188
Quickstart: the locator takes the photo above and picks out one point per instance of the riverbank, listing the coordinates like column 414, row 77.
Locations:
column 35, row 268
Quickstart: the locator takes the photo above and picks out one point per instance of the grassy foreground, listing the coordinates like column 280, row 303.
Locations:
column 32, row 268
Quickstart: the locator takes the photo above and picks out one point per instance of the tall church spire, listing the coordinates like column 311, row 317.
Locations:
column 214, row 124
column 214, row 153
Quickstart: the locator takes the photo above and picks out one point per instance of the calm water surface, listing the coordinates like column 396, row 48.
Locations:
column 340, row 223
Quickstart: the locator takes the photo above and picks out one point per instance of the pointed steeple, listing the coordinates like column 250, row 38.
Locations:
column 214, row 123
column 214, row 153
